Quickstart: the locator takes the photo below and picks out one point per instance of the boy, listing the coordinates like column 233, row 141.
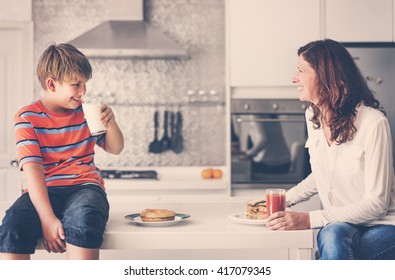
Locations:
column 64, row 203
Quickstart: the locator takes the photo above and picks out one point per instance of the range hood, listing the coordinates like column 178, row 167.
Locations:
column 126, row 34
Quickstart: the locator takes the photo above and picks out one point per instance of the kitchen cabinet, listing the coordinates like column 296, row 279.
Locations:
column 264, row 36
column 16, row 90
column 359, row 20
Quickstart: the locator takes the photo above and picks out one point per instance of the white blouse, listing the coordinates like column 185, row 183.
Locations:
column 354, row 180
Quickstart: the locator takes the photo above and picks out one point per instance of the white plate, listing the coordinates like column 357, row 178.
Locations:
column 241, row 219
column 135, row 218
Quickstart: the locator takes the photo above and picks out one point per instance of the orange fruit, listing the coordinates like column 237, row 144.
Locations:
column 207, row 173
column 217, row 173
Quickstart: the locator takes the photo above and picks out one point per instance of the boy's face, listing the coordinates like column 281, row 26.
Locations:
column 65, row 95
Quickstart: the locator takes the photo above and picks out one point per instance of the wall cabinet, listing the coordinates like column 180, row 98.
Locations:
column 16, row 90
column 264, row 36
column 359, row 20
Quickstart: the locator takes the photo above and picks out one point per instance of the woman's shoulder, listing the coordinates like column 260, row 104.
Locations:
column 367, row 115
column 370, row 120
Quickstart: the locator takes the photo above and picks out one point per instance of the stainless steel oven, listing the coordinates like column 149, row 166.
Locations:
column 268, row 143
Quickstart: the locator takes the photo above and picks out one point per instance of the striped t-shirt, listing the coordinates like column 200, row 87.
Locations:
column 61, row 142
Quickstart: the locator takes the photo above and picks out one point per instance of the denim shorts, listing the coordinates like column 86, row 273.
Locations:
column 82, row 209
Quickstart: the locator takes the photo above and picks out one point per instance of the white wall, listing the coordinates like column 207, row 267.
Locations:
column 20, row 10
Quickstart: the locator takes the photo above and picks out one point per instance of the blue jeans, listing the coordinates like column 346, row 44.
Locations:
column 82, row 209
column 345, row 241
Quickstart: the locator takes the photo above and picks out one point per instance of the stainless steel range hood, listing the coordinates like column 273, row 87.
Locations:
column 126, row 34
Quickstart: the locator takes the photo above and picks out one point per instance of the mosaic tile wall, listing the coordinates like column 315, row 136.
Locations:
column 135, row 88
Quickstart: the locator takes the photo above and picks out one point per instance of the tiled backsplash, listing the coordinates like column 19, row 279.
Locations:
column 135, row 88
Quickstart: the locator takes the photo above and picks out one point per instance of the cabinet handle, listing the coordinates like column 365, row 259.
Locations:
column 14, row 163
column 240, row 120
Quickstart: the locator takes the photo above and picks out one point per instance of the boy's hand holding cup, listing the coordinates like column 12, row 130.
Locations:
column 92, row 109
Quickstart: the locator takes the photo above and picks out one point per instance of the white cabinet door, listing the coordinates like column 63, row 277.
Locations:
column 264, row 36
column 359, row 20
column 16, row 90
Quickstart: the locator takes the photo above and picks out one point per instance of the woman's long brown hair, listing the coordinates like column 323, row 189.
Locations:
column 340, row 88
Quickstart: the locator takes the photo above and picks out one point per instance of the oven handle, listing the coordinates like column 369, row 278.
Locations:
column 239, row 120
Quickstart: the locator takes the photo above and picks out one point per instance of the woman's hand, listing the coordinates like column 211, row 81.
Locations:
column 288, row 220
column 53, row 236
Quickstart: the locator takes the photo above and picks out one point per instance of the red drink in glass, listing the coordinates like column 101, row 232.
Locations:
column 275, row 200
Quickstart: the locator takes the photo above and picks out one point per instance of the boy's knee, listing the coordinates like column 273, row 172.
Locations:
column 84, row 237
column 86, row 216
column 85, row 226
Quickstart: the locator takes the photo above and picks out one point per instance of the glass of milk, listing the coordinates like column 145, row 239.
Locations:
column 91, row 106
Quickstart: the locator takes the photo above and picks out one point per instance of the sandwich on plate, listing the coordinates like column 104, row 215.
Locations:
column 256, row 209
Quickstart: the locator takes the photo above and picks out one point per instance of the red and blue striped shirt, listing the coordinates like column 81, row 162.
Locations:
column 61, row 142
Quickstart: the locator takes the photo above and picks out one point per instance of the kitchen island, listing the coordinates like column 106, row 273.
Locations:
column 206, row 231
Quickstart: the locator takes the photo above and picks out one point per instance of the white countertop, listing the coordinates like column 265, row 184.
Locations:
column 207, row 228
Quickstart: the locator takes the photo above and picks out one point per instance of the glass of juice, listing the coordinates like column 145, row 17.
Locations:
column 275, row 200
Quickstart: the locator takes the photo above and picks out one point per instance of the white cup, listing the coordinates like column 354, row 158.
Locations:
column 91, row 107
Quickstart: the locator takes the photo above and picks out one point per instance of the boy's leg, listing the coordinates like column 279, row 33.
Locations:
column 9, row 256
column 79, row 253
column 84, row 220
column 20, row 230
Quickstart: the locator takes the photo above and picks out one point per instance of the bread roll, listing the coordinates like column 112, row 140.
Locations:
column 157, row 215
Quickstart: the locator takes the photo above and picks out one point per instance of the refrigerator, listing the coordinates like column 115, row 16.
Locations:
column 377, row 63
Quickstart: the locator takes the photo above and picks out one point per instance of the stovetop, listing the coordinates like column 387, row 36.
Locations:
column 129, row 174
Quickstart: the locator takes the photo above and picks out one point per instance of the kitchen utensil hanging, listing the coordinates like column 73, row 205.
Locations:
column 171, row 140
column 177, row 140
column 165, row 141
column 172, row 129
column 155, row 146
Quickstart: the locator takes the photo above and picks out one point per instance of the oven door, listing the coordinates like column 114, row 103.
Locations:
column 268, row 149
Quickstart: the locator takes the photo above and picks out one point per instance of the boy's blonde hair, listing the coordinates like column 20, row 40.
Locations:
column 62, row 62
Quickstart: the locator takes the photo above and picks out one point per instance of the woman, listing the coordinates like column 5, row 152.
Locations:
column 350, row 147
